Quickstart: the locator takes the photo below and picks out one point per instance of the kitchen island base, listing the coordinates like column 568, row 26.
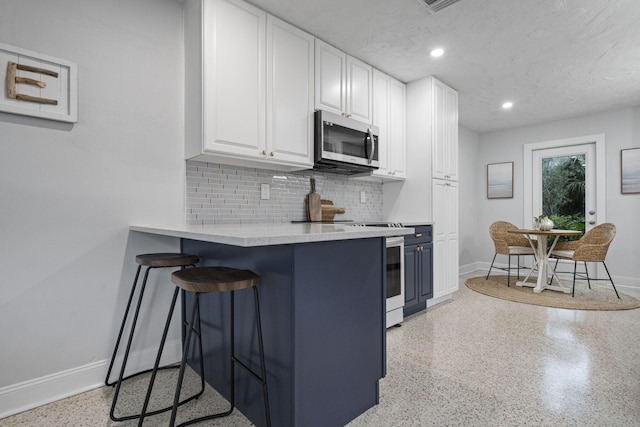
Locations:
column 323, row 318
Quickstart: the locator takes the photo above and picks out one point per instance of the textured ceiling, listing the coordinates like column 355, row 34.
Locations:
column 552, row 58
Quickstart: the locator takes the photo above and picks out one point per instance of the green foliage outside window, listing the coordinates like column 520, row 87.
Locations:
column 563, row 194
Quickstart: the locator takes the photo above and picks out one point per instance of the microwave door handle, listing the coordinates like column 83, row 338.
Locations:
column 373, row 145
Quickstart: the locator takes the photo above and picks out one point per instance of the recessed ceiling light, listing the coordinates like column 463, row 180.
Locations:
column 507, row 105
column 438, row 52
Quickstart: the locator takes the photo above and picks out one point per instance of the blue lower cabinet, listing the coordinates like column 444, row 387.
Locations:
column 323, row 317
column 418, row 269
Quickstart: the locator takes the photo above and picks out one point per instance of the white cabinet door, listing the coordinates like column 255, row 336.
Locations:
column 389, row 106
column 397, row 129
column 234, row 77
column 290, row 86
column 451, row 133
column 445, row 237
column 359, row 90
column 381, row 83
column 444, row 131
column 331, row 71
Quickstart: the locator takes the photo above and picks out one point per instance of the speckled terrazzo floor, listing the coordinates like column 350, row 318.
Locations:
column 472, row 361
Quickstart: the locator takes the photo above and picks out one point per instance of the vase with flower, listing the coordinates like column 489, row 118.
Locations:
column 543, row 223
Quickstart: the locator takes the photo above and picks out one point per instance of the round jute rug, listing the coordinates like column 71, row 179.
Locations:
column 596, row 298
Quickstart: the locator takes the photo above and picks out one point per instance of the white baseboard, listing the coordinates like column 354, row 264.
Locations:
column 30, row 394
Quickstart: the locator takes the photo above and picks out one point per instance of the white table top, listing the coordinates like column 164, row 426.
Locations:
column 553, row 232
column 248, row 235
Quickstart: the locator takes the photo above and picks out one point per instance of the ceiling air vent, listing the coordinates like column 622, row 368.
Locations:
column 435, row 6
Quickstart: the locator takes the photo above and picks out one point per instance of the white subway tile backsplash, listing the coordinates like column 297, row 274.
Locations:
column 224, row 194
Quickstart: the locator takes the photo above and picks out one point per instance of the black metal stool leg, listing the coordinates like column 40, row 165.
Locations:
column 124, row 322
column 152, row 380
column 157, row 367
column 263, row 371
column 183, row 363
column 128, row 348
column 232, row 345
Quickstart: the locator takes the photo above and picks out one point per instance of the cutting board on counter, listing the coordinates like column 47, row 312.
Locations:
column 329, row 211
column 314, row 204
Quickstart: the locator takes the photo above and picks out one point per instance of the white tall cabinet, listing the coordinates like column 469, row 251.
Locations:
column 249, row 87
column 430, row 191
column 444, row 149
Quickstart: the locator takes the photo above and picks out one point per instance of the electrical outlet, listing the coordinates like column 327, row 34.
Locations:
column 265, row 192
column 363, row 197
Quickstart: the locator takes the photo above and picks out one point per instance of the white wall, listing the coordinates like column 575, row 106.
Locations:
column 621, row 129
column 469, row 192
column 69, row 192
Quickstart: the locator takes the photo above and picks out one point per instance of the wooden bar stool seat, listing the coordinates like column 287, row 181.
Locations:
column 150, row 261
column 201, row 280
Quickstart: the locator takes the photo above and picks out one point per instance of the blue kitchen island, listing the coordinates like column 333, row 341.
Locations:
column 322, row 301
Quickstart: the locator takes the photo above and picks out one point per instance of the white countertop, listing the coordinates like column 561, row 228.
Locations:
column 248, row 235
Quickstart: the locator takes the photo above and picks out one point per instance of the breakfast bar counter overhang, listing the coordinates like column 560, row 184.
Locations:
column 322, row 303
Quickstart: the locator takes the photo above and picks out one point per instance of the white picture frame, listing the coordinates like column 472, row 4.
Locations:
column 38, row 90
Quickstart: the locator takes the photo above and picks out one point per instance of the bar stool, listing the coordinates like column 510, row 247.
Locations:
column 156, row 260
column 206, row 280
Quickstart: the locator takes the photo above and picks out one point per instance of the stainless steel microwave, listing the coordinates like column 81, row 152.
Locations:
column 344, row 145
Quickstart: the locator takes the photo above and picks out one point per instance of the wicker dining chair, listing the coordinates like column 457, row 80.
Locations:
column 508, row 244
column 592, row 247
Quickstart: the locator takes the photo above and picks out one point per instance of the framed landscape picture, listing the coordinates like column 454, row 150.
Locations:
column 500, row 180
column 630, row 170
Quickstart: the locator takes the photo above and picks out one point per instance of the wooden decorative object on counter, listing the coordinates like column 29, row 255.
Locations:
column 314, row 210
column 329, row 211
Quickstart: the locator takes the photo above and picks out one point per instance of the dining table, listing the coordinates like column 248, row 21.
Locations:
column 542, row 258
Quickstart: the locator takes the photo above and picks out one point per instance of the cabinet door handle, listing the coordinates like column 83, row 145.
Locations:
column 271, row 154
column 419, row 235
column 264, row 153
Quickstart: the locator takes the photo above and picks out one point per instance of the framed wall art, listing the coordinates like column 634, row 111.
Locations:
column 500, row 180
column 37, row 85
column 630, row 171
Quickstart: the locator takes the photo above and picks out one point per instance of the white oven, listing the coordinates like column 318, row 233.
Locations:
column 395, row 280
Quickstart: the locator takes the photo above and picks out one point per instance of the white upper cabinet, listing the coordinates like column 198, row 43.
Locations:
column 234, row 77
column 444, row 131
column 290, row 89
column 249, row 87
column 397, row 129
column 344, row 85
column 331, row 72
column 389, row 105
column 359, row 90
